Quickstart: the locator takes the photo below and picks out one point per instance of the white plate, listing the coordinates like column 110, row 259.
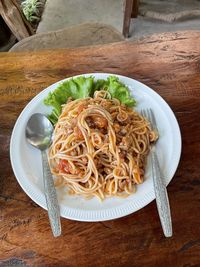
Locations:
column 27, row 166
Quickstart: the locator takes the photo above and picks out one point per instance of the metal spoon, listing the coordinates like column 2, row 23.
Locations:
column 39, row 134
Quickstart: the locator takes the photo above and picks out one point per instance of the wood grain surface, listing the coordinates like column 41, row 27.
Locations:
column 170, row 64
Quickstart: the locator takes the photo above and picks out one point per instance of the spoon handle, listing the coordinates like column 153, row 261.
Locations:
column 51, row 197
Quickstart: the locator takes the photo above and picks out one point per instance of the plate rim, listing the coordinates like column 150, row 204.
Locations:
column 92, row 215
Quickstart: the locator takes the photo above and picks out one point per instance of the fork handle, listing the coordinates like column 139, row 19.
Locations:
column 161, row 196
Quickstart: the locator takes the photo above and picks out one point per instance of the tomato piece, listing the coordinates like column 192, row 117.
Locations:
column 78, row 134
column 64, row 166
column 81, row 108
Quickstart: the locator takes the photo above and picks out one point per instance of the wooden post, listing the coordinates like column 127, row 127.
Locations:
column 135, row 8
column 14, row 18
column 127, row 17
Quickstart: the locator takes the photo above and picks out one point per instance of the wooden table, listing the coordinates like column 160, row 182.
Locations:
column 170, row 64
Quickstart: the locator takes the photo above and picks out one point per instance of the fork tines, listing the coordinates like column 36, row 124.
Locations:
column 149, row 115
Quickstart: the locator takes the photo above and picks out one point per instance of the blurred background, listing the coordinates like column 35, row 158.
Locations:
column 45, row 22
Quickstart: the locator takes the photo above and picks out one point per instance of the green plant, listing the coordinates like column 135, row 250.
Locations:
column 31, row 9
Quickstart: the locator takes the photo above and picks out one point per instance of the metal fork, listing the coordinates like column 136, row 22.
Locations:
column 159, row 186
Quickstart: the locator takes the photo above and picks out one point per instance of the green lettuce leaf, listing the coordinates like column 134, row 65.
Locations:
column 100, row 85
column 80, row 87
column 119, row 90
